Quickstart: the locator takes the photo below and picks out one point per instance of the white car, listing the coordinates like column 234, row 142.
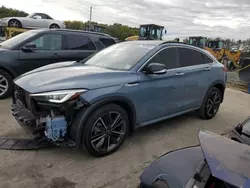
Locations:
column 35, row 20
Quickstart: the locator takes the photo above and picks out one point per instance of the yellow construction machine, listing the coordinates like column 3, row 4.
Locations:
column 149, row 32
column 219, row 50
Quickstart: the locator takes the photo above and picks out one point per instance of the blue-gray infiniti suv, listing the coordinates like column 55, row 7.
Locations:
column 96, row 102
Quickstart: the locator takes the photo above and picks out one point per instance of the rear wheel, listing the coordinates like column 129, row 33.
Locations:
column 211, row 104
column 5, row 84
column 15, row 23
column 54, row 26
column 105, row 130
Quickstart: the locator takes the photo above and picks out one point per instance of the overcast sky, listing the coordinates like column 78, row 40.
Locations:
column 223, row 18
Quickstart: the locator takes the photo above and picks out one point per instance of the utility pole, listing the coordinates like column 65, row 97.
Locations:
column 90, row 17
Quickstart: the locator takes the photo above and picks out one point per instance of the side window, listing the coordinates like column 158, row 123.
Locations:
column 41, row 15
column 44, row 16
column 207, row 59
column 189, row 57
column 167, row 56
column 48, row 42
column 107, row 41
column 77, row 42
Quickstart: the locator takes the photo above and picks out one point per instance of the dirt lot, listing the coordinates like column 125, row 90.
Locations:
column 65, row 168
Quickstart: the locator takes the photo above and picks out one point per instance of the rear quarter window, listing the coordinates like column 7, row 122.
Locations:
column 107, row 41
column 189, row 57
column 79, row 42
column 207, row 59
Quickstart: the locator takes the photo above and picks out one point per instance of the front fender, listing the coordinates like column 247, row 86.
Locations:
column 84, row 113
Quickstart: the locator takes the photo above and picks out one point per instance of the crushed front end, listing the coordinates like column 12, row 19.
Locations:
column 46, row 115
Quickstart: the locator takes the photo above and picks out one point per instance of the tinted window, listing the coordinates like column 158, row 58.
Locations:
column 42, row 15
column 167, row 56
column 189, row 57
column 207, row 59
column 48, row 42
column 120, row 56
column 107, row 41
column 76, row 42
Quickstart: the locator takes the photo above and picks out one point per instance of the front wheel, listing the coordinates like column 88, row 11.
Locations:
column 211, row 104
column 105, row 130
column 5, row 84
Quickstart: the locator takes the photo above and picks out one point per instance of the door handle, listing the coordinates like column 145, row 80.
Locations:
column 56, row 55
column 179, row 74
column 207, row 69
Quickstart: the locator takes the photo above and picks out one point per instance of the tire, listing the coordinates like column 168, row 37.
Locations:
column 54, row 26
column 205, row 112
column 5, row 80
column 95, row 123
column 15, row 23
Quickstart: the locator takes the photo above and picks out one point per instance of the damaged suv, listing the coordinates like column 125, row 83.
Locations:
column 96, row 102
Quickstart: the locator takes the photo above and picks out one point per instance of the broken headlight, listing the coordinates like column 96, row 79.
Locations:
column 59, row 96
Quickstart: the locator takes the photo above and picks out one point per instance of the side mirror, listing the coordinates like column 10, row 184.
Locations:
column 37, row 17
column 29, row 48
column 156, row 68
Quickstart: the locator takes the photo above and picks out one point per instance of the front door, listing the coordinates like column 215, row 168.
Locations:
column 160, row 93
column 46, row 45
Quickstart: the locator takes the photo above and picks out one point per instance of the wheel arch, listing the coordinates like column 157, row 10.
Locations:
column 125, row 103
column 54, row 24
column 9, row 71
column 220, row 85
column 15, row 19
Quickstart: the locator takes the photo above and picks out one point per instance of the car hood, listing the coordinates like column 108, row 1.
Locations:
column 3, row 50
column 72, row 75
column 228, row 160
column 173, row 167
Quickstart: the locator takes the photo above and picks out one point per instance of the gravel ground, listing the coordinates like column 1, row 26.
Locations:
column 66, row 168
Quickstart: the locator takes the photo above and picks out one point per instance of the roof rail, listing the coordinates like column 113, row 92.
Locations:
column 181, row 43
column 82, row 31
column 175, row 42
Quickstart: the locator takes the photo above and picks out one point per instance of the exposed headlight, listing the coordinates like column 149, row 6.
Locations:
column 59, row 96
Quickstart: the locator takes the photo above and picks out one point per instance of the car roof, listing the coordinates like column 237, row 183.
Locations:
column 149, row 42
column 227, row 159
column 75, row 31
column 167, row 43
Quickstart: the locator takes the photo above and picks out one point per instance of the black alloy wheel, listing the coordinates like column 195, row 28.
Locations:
column 105, row 130
column 211, row 104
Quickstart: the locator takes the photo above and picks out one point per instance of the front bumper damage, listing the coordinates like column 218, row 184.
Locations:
column 45, row 121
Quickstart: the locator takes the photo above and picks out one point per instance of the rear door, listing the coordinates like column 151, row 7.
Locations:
column 47, row 44
column 194, row 67
column 76, row 47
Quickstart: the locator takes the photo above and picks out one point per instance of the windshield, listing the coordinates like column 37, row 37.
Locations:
column 154, row 32
column 31, row 15
column 121, row 56
column 10, row 43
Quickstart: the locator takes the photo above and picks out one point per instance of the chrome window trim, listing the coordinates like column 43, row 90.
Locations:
column 188, row 47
